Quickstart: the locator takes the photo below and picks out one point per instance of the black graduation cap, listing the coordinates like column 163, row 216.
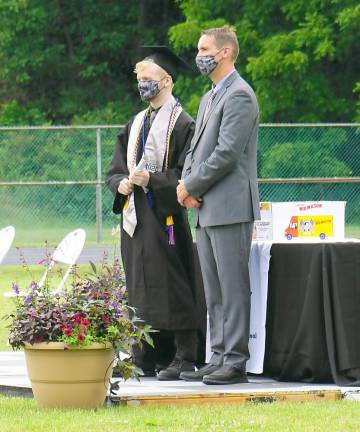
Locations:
column 167, row 60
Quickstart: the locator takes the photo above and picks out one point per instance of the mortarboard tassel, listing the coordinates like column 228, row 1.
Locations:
column 170, row 230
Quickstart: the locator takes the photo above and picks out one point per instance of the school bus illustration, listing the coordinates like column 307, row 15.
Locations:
column 310, row 226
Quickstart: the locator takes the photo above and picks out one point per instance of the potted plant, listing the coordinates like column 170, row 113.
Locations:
column 73, row 339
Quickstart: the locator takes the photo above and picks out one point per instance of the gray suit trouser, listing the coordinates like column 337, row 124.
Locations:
column 224, row 256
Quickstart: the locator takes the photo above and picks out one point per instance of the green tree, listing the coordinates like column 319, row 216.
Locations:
column 300, row 55
column 67, row 61
column 302, row 159
column 73, row 59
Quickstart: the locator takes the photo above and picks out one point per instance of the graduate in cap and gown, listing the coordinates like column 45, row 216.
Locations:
column 156, row 242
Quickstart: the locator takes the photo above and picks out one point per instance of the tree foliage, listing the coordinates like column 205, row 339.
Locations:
column 300, row 55
column 65, row 61
column 73, row 60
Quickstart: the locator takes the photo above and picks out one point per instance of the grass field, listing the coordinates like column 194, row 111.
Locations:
column 54, row 233
column 23, row 415
column 36, row 234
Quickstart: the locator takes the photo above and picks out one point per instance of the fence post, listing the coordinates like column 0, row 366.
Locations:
column 98, row 188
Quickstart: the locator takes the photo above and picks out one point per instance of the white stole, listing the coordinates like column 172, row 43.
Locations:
column 154, row 154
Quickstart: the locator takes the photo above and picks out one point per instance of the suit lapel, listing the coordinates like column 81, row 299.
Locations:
column 200, row 115
column 200, row 121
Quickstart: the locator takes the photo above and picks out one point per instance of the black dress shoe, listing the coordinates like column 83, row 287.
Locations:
column 200, row 373
column 227, row 374
column 175, row 368
column 160, row 367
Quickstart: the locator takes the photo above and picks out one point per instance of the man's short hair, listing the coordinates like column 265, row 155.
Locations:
column 224, row 36
column 144, row 64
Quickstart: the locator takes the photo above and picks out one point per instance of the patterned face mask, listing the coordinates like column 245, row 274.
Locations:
column 207, row 63
column 148, row 89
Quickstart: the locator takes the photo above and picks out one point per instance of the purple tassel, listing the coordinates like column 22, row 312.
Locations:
column 170, row 230
column 171, row 235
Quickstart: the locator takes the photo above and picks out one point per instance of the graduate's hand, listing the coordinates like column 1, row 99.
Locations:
column 125, row 187
column 140, row 178
column 181, row 192
column 191, row 202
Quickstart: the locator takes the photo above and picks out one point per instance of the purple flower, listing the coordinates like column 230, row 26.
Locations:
column 117, row 307
column 34, row 286
column 28, row 298
column 119, row 295
column 114, row 305
column 15, row 288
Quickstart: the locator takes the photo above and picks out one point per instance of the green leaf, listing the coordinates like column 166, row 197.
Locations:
column 93, row 266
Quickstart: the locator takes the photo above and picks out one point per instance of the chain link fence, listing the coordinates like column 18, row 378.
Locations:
column 51, row 178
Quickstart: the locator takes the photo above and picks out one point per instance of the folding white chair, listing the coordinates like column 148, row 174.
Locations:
column 67, row 252
column 7, row 235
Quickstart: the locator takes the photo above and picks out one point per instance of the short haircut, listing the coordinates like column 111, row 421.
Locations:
column 143, row 64
column 224, row 36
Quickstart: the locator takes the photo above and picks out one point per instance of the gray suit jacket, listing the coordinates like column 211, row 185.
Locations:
column 220, row 166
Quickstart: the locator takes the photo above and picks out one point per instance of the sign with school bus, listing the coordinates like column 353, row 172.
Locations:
column 301, row 221
column 310, row 226
column 308, row 220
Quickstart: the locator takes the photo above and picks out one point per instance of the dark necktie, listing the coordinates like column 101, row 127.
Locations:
column 152, row 116
column 209, row 103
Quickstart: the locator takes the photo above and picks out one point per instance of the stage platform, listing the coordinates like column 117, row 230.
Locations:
column 14, row 382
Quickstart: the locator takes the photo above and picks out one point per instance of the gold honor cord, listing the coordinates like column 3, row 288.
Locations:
column 170, row 219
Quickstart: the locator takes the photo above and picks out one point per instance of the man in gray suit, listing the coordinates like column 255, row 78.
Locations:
column 220, row 180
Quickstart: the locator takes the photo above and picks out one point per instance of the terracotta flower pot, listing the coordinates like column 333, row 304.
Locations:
column 73, row 377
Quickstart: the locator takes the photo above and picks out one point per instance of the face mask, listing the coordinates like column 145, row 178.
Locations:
column 206, row 64
column 148, row 89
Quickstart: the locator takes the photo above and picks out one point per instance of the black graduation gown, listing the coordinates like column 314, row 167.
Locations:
column 160, row 278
